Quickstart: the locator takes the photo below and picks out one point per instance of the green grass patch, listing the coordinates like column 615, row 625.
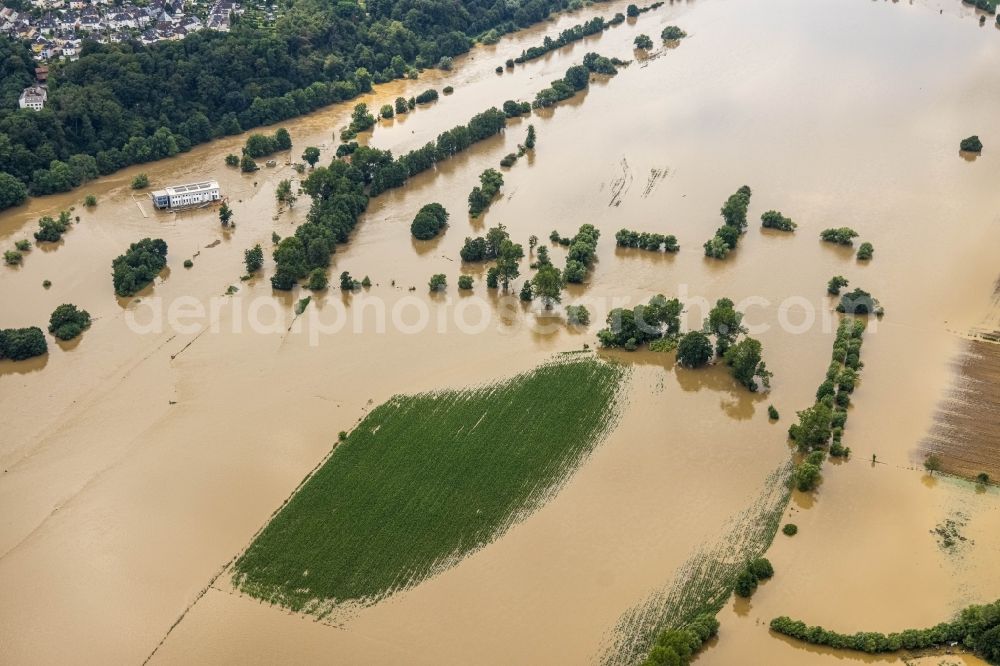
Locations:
column 425, row 480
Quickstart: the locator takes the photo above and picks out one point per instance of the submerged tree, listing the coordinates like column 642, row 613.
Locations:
column 254, row 259
column 694, row 350
column 225, row 214
column 548, row 285
column 643, row 42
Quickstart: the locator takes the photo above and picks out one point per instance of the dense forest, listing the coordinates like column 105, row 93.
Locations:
column 122, row 104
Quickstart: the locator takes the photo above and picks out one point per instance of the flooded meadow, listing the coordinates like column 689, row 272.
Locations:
column 140, row 460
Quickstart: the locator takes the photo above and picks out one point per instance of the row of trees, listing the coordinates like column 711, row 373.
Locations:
column 381, row 172
column 647, row 241
column 339, row 199
column 582, row 253
column 567, row 36
column 127, row 103
column 262, row 145
column 977, row 628
column 821, row 427
column 734, row 216
column 576, row 79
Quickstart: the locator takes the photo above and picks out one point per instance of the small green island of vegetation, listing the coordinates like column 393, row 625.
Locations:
column 373, row 519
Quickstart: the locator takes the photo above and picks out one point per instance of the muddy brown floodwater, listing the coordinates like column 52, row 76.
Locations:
column 137, row 463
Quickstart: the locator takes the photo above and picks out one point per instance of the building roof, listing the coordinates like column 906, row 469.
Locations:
column 190, row 188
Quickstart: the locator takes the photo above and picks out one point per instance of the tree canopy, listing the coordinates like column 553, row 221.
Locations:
column 100, row 115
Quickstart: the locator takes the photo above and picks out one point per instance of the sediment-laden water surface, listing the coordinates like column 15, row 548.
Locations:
column 140, row 460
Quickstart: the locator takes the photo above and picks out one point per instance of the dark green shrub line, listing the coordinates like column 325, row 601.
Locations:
column 136, row 268
column 582, row 253
column 772, row 219
column 262, row 145
column 734, row 215
column 576, row 79
column 315, row 54
column 647, row 241
column 576, row 33
column 839, row 235
column 976, row 628
column 820, row 428
column 382, row 172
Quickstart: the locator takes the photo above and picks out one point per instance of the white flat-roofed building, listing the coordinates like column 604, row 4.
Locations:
column 181, row 196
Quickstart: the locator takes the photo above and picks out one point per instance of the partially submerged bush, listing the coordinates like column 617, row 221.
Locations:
column 318, row 280
column 427, row 96
column 138, row 266
column 672, row 32
column 806, row 476
column 577, row 315
column 51, row 230
column 859, row 302
column 839, row 235
column 68, row 321
column 790, row 529
column 772, row 219
column 643, row 42
column 835, row 284
column 866, row 251
column 971, row 144
column 438, row 282
column 465, row 282
column 429, row 221
column 18, row 344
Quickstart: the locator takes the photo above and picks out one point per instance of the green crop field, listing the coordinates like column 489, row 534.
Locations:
column 426, row 479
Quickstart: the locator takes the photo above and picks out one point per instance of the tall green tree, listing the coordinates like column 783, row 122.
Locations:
column 508, row 258
column 225, row 214
column 745, row 359
column 311, row 155
column 548, row 285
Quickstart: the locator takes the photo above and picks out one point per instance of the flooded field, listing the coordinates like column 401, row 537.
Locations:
column 141, row 459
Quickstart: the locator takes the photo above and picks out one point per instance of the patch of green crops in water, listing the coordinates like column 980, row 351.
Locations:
column 427, row 479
